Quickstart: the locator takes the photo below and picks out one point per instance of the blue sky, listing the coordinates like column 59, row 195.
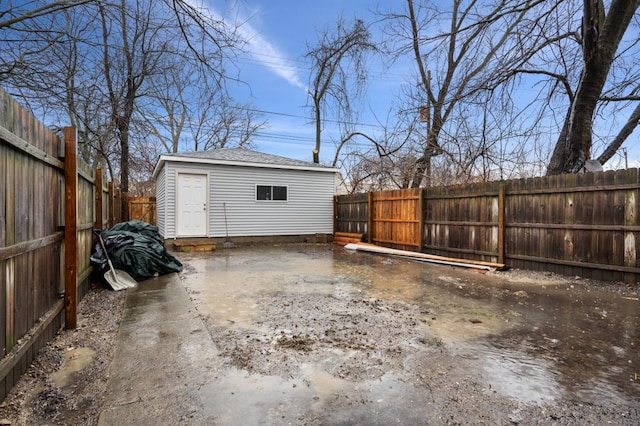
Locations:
column 278, row 34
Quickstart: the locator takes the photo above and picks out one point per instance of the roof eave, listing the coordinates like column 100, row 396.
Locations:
column 158, row 166
column 196, row 160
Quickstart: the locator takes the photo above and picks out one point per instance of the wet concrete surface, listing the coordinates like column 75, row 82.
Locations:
column 315, row 334
column 163, row 358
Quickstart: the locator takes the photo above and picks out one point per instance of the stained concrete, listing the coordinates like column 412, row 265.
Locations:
column 306, row 334
column 163, row 358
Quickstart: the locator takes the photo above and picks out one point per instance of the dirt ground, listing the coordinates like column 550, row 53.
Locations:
column 383, row 340
column 38, row 400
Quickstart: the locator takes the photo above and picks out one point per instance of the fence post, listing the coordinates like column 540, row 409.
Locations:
column 370, row 218
column 111, row 204
column 501, row 222
column 70, row 228
column 99, row 199
column 117, row 208
column 421, row 223
column 335, row 214
column 631, row 220
column 124, row 207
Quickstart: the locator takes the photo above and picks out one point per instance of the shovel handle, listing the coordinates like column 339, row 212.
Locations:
column 104, row 250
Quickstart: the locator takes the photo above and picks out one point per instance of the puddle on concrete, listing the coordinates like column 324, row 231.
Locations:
column 315, row 396
column 513, row 373
column 261, row 398
column 75, row 360
column 532, row 341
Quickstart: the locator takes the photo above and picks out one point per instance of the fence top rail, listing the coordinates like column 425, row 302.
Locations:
column 354, row 197
column 85, row 171
column 443, row 196
column 409, row 197
column 569, row 189
column 364, row 201
column 22, row 124
column 596, row 187
column 27, row 148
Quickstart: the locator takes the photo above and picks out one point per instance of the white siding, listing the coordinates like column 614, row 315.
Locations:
column 308, row 210
column 171, row 179
column 161, row 202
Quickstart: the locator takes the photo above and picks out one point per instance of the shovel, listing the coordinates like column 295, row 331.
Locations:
column 227, row 241
column 118, row 280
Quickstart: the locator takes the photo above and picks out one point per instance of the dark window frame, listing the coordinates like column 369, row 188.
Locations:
column 270, row 192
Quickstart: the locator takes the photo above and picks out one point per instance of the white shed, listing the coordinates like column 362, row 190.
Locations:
column 260, row 195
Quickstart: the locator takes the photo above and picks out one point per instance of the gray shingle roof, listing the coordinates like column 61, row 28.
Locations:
column 243, row 155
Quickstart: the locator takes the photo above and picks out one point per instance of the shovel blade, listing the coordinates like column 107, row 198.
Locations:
column 119, row 280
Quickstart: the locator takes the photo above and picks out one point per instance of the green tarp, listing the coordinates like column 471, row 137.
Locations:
column 137, row 248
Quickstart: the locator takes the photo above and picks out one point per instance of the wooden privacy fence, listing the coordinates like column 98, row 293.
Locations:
column 49, row 204
column 395, row 219
column 579, row 224
column 142, row 208
column 351, row 213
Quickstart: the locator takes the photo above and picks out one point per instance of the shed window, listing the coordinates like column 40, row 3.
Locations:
column 272, row 193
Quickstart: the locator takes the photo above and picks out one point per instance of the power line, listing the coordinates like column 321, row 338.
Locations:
column 300, row 141
column 326, row 120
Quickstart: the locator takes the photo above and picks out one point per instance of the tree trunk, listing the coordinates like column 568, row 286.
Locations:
column 601, row 38
column 316, row 151
column 123, row 129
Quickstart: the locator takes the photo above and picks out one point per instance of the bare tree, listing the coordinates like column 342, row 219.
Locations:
column 102, row 61
column 186, row 110
column 131, row 54
column 601, row 35
column 57, row 77
column 12, row 14
column 461, row 52
column 338, row 72
column 23, row 22
column 380, row 162
column 230, row 124
column 169, row 113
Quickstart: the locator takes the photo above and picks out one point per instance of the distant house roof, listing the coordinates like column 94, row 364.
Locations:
column 241, row 157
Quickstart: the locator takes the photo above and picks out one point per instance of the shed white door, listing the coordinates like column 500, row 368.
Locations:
column 192, row 205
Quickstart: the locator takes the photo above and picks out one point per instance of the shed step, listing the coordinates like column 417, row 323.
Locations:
column 194, row 246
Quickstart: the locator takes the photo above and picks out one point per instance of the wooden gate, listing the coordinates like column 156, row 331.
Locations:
column 396, row 219
column 142, row 208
